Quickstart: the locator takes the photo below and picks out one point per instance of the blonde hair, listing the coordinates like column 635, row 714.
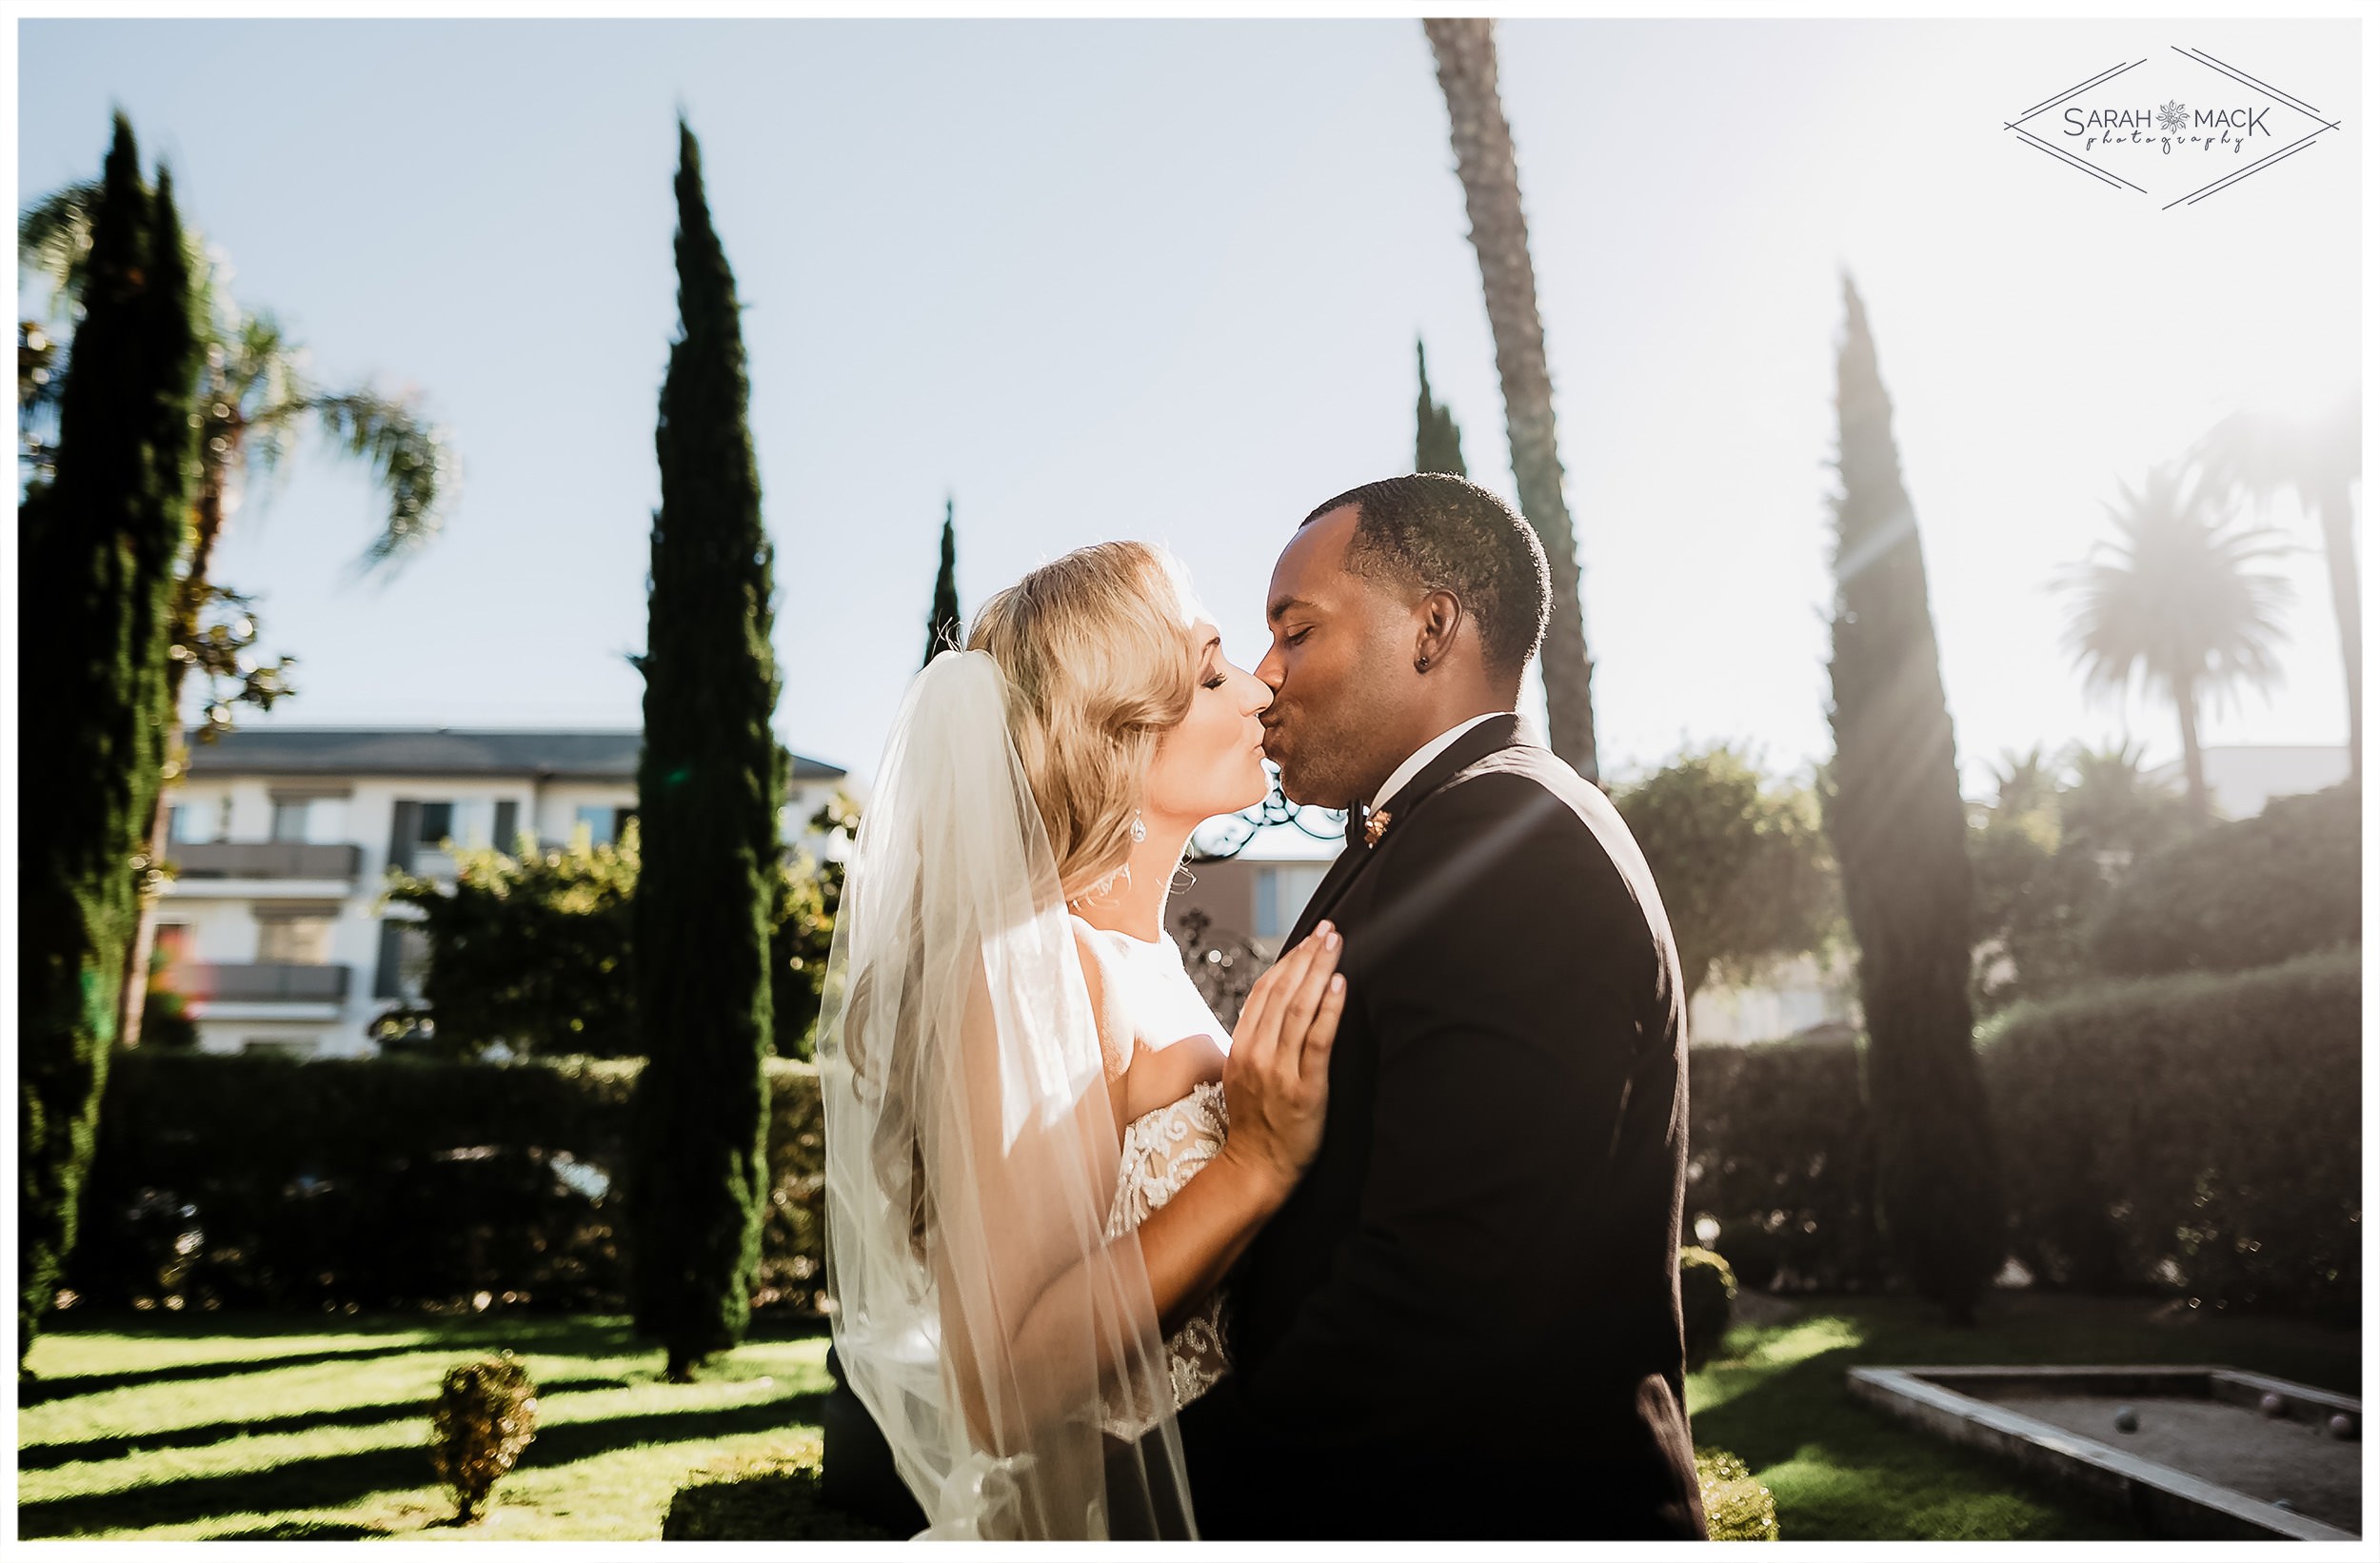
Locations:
column 1096, row 648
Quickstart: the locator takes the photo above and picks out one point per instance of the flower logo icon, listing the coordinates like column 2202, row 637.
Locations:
column 2173, row 116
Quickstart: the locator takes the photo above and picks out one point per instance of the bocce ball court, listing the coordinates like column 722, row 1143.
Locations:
column 2194, row 1452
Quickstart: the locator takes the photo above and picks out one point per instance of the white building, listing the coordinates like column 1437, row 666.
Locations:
column 282, row 838
column 1257, row 893
column 1786, row 998
column 2243, row 777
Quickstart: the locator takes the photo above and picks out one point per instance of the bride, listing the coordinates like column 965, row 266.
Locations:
column 1020, row 1080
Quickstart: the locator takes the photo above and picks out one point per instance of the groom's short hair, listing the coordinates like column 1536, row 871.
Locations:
column 1431, row 531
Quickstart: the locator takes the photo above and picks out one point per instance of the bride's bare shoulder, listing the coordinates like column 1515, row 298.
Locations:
column 1108, row 1000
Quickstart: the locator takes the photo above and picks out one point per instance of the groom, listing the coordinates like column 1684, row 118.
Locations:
column 1466, row 1321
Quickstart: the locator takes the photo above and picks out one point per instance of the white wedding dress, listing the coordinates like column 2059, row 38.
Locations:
column 987, row 1313
column 1151, row 999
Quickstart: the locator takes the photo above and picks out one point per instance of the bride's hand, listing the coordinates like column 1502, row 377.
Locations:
column 1277, row 1080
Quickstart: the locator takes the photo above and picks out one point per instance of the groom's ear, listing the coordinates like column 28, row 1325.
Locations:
column 1438, row 619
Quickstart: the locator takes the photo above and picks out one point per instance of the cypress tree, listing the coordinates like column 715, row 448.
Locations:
column 1436, row 442
column 942, row 629
column 709, row 783
column 1899, row 830
column 97, row 547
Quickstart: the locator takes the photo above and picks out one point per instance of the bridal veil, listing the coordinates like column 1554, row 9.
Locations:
column 981, row 1311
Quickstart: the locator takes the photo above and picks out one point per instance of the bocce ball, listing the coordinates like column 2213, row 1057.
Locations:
column 2127, row 1419
column 2342, row 1425
column 2273, row 1405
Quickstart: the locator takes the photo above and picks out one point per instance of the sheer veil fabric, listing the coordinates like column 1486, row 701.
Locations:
column 982, row 1314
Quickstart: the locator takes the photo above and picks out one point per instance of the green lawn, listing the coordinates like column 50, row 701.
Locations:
column 221, row 1426
column 168, row 1426
column 1841, row 1472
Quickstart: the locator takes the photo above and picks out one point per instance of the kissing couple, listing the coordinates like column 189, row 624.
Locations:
column 1396, row 1255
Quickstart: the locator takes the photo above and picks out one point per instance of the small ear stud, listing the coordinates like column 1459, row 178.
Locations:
column 1421, row 664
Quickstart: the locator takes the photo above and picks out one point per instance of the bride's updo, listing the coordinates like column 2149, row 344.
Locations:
column 1096, row 648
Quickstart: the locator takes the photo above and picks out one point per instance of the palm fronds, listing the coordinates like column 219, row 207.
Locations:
column 2173, row 599
column 411, row 459
column 53, row 239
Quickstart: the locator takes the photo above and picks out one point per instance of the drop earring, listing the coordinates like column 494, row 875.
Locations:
column 1140, row 831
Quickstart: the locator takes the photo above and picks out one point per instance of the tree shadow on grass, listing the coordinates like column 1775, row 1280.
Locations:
column 764, row 1506
column 40, row 1392
column 306, row 1530
column 562, row 1336
column 333, row 1481
column 51, row 1456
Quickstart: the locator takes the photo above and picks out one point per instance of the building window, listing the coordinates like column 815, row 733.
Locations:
column 603, row 821
column 508, row 824
column 437, row 824
column 174, row 943
column 293, row 940
column 1281, row 893
column 404, row 959
column 288, row 818
column 200, row 820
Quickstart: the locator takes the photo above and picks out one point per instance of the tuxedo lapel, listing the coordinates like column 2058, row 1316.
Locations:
column 1335, row 879
column 1494, row 733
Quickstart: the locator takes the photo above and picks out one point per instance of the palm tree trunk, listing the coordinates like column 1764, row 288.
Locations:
column 190, row 595
column 2338, row 549
column 2193, row 761
column 1491, row 183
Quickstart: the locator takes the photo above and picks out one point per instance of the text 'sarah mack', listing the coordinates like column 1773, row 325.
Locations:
column 2099, row 127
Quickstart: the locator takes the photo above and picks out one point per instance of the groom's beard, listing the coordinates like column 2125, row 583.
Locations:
column 1328, row 753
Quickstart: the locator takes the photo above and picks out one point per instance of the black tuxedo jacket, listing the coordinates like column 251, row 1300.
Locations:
column 1465, row 1323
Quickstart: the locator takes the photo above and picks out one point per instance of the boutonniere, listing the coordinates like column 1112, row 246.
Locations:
column 1374, row 826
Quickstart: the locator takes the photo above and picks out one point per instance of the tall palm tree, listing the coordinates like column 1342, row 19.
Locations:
column 1490, row 185
column 2174, row 600
column 255, row 401
column 2257, row 455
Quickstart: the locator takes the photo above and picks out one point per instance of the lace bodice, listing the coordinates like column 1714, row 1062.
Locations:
column 1152, row 998
column 1162, row 1150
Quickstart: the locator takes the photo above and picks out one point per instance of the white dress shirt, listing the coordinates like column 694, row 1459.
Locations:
column 1412, row 767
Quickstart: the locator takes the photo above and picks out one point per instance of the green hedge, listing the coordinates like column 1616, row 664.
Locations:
column 2194, row 1134
column 237, row 1181
column 1778, row 1153
column 2242, row 895
column 2197, row 1133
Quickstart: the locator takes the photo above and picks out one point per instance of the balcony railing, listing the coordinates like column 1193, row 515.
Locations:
column 260, row 982
column 266, row 859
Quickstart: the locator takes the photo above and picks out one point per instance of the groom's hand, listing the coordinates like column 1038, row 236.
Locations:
column 1277, row 1080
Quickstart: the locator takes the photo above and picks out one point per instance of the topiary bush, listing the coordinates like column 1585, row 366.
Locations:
column 1734, row 1503
column 1706, row 1288
column 484, row 1415
column 2198, row 1134
column 2244, row 894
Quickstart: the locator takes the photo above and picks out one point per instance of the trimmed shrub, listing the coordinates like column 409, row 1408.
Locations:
column 1707, row 1289
column 1734, row 1503
column 1779, row 1154
column 486, row 1414
column 2199, row 1134
column 2245, row 894
column 255, row 1181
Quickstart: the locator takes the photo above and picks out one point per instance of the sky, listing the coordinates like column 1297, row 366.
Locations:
column 1163, row 280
